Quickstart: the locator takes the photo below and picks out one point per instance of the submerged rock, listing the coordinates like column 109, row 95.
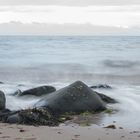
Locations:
column 17, row 93
column 2, row 100
column 103, row 86
column 76, row 97
column 38, row 91
column 107, row 99
column 20, row 85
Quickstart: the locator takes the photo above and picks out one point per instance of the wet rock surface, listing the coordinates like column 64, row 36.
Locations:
column 107, row 99
column 111, row 126
column 76, row 97
column 38, row 91
column 15, row 118
column 40, row 116
column 2, row 100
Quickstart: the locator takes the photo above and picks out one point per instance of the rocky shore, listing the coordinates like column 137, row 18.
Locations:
column 56, row 106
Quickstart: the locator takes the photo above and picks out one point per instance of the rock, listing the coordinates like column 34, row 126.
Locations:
column 102, row 86
column 38, row 91
column 4, row 114
column 112, row 126
column 76, row 97
column 14, row 119
column 5, row 111
column 1, row 82
column 17, row 93
column 40, row 116
column 107, row 99
column 21, row 130
column 2, row 100
column 120, row 127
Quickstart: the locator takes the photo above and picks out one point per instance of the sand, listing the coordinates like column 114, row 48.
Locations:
column 70, row 132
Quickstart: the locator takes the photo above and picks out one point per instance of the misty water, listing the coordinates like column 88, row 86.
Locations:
column 30, row 61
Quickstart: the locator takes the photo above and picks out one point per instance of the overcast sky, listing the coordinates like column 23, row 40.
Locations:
column 69, row 2
column 70, row 17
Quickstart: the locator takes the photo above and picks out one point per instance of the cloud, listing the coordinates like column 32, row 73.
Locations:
column 69, row 2
column 18, row 28
column 54, row 19
column 111, row 16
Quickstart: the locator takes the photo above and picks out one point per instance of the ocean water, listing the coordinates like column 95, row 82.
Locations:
column 30, row 61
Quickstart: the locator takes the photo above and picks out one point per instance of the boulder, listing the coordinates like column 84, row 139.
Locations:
column 2, row 100
column 75, row 98
column 38, row 91
column 101, row 86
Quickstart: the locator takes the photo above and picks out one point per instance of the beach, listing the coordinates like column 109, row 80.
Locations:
column 21, row 132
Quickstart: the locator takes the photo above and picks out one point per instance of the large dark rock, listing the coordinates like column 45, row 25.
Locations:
column 2, row 100
column 76, row 97
column 38, row 91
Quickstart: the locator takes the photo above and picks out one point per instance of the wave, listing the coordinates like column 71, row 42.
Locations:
column 120, row 63
column 68, row 73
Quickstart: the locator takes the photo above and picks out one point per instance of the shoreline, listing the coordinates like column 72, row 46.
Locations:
column 23, row 132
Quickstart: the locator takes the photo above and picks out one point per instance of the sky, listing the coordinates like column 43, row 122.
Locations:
column 70, row 17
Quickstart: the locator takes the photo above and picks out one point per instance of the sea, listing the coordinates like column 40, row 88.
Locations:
column 30, row 61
